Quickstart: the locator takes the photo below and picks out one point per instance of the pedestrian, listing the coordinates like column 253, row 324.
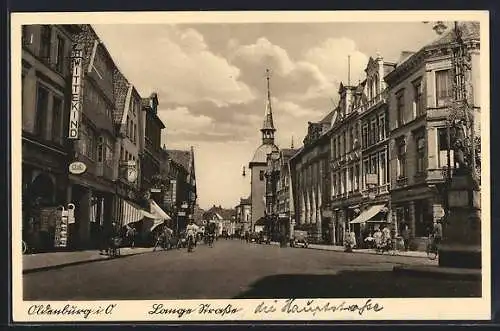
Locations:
column 353, row 239
column 406, row 237
column 377, row 237
column 437, row 231
column 131, row 234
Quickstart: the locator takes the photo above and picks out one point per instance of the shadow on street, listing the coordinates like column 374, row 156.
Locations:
column 358, row 284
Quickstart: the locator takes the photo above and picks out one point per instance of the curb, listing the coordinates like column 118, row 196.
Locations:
column 68, row 264
column 365, row 252
column 439, row 272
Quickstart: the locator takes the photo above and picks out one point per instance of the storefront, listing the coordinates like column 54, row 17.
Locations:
column 369, row 219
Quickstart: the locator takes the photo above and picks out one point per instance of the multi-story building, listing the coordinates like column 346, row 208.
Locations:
column 150, row 158
column 345, row 149
column 373, row 116
column 182, row 186
column 46, row 102
column 311, row 181
column 421, row 92
column 127, row 120
column 284, row 201
column 93, row 133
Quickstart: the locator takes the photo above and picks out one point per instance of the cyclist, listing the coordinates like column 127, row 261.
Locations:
column 211, row 233
column 191, row 230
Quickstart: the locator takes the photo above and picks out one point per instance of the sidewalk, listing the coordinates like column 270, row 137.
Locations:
column 47, row 261
column 364, row 251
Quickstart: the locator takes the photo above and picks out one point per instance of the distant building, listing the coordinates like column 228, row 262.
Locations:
column 311, row 180
column 243, row 215
column 183, row 193
column 258, row 164
column 224, row 218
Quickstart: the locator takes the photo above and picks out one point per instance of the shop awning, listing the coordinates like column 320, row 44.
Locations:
column 157, row 223
column 149, row 215
column 366, row 215
column 155, row 209
column 130, row 213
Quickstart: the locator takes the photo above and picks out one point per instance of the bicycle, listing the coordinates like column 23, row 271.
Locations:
column 431, row 249
column 190, row 243
column 210, row 240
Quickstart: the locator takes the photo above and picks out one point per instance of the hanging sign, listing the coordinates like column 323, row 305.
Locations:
column 132, row 171
column 61, row 229
column 77, row 168
column 76, row 86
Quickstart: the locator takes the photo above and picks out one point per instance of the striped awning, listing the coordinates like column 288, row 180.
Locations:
column 156, row 210
column 366, row 215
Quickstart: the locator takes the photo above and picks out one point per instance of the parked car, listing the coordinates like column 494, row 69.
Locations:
column 299, row 239
column 264, row 238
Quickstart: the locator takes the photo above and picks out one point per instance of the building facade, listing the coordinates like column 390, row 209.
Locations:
column 46, row 102
column 243, row 215
column 421, row 93
column 258, row 164
column 311, row 181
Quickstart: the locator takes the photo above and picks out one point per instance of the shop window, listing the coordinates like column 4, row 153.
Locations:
column 41, row 110
column 444, row 87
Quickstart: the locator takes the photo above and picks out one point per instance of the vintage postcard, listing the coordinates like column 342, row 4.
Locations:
column 245, row 166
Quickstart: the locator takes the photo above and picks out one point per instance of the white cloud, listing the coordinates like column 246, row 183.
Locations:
column 175, row 62
column 287, row 108
column 181, row 120
column 331, row 57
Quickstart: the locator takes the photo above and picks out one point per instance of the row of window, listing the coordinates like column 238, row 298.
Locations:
column 420, row 153
column 94, row 98
column 51, row 45
column 444, row 91
column 374, row 130
column 131, row 130
column 125, row 155
column 49, row 108
column 95, row 147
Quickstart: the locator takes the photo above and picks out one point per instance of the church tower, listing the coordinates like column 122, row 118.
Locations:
column 259, row 161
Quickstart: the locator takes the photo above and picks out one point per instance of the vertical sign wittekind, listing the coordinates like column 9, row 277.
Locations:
column 76, row 85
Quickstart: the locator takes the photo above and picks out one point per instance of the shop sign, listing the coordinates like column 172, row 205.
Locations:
column 77, row 168
column 132, row 171
column 61, row 228
column 282, row 215
column 155, row 190
column 76, row 86
column 181, row 213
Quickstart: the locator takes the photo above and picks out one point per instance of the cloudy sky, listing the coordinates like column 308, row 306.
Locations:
column 210, row 80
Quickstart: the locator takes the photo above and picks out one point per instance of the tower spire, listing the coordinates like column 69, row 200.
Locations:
column 291, row 145
column 268, row 125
